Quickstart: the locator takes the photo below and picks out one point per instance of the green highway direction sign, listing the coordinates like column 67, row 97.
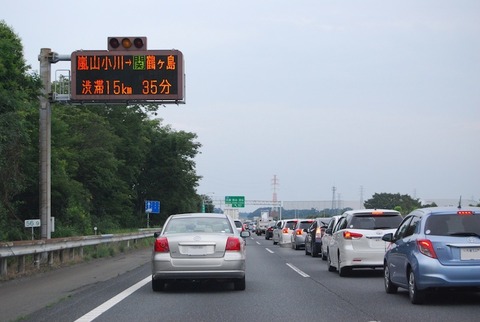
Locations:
column 235, row 201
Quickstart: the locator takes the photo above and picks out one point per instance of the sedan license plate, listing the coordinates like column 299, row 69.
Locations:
column 198, row 250
column 470, row 253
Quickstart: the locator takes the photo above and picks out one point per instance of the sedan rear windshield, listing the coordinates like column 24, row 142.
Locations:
column 198, row 225
column 369, row 221
column 453, row 225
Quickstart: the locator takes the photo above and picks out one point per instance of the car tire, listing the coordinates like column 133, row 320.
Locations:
column 329, row 264
column 342, row 271
column 390, row 288
column 324, row 256
column 274, row 242
column 158, row 285
column 239, row 284
column 306, row 250
column 416, row 296
column 314, row 250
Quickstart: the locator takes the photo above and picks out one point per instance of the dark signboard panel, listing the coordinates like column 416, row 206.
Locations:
column 150, row 75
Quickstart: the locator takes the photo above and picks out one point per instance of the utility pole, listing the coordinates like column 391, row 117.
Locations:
column 46, row 58
column 361, row 197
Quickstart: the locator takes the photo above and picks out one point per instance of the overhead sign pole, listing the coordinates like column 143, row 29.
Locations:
column 46, row 58
column 45, row 143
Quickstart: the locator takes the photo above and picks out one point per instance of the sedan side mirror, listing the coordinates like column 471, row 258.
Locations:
column 245, row 233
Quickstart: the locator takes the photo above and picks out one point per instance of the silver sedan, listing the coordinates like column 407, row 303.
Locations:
column 199, row 246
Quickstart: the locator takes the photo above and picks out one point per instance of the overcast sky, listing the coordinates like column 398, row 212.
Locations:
column 372, row 96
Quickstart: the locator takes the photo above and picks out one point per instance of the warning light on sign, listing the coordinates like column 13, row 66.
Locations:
column 127, row 43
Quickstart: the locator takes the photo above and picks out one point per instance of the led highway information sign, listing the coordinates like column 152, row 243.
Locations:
column 127, row 75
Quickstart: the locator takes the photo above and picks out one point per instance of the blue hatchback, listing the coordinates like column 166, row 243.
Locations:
column 434, row 248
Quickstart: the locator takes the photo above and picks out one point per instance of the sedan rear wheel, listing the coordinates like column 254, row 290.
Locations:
column 158, row 285
column 390, row 288
column 416, row 296
column 239, row 284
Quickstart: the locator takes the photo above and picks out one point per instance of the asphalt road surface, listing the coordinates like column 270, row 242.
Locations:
column 282, row 285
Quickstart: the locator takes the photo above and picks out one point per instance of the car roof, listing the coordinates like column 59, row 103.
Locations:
column 198, row 214
column 445, row 210
column 366, row 211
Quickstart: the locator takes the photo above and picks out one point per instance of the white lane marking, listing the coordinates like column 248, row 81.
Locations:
column 298, row 270
column 269, row 250
column 258, row 243
column 96, row 312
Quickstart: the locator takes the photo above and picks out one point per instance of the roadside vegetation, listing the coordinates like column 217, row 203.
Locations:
column 106, row 160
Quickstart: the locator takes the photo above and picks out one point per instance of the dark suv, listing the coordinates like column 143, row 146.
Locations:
column 269, row 230
column 313, row 239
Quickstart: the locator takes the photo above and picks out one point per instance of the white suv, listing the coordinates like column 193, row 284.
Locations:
column 357, row 239
column 327, row 236
column 282, row 232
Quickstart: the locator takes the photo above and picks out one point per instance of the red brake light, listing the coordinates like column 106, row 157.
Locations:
column 425, row 247
column 377, row 212
column 161, row 245
column 350, row 235
column 285, row 230
column 233, row 244
column 298, row 231
column 464, row 212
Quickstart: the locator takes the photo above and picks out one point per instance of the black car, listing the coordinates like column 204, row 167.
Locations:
column 313, row 239
column 269, row 230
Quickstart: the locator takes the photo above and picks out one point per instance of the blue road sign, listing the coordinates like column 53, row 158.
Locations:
column 152, row 206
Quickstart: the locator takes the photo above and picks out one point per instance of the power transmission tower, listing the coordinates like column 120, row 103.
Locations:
column 275, row 183
column 334, row 206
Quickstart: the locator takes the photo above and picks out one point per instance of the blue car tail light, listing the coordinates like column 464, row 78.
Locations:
column 425, row 247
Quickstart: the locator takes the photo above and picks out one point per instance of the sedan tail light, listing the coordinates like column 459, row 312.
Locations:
column 233, row 244
column 298, row 231
column 351, row 235
column 425, row 247
column 285, row 230
column 161, row 245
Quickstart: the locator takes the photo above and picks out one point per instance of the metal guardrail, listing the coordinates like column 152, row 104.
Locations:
column 44, row 250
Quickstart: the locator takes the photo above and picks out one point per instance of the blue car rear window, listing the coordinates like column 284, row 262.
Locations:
column 452, row 224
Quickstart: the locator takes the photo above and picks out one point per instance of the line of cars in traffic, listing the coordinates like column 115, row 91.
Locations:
column 429, row 249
